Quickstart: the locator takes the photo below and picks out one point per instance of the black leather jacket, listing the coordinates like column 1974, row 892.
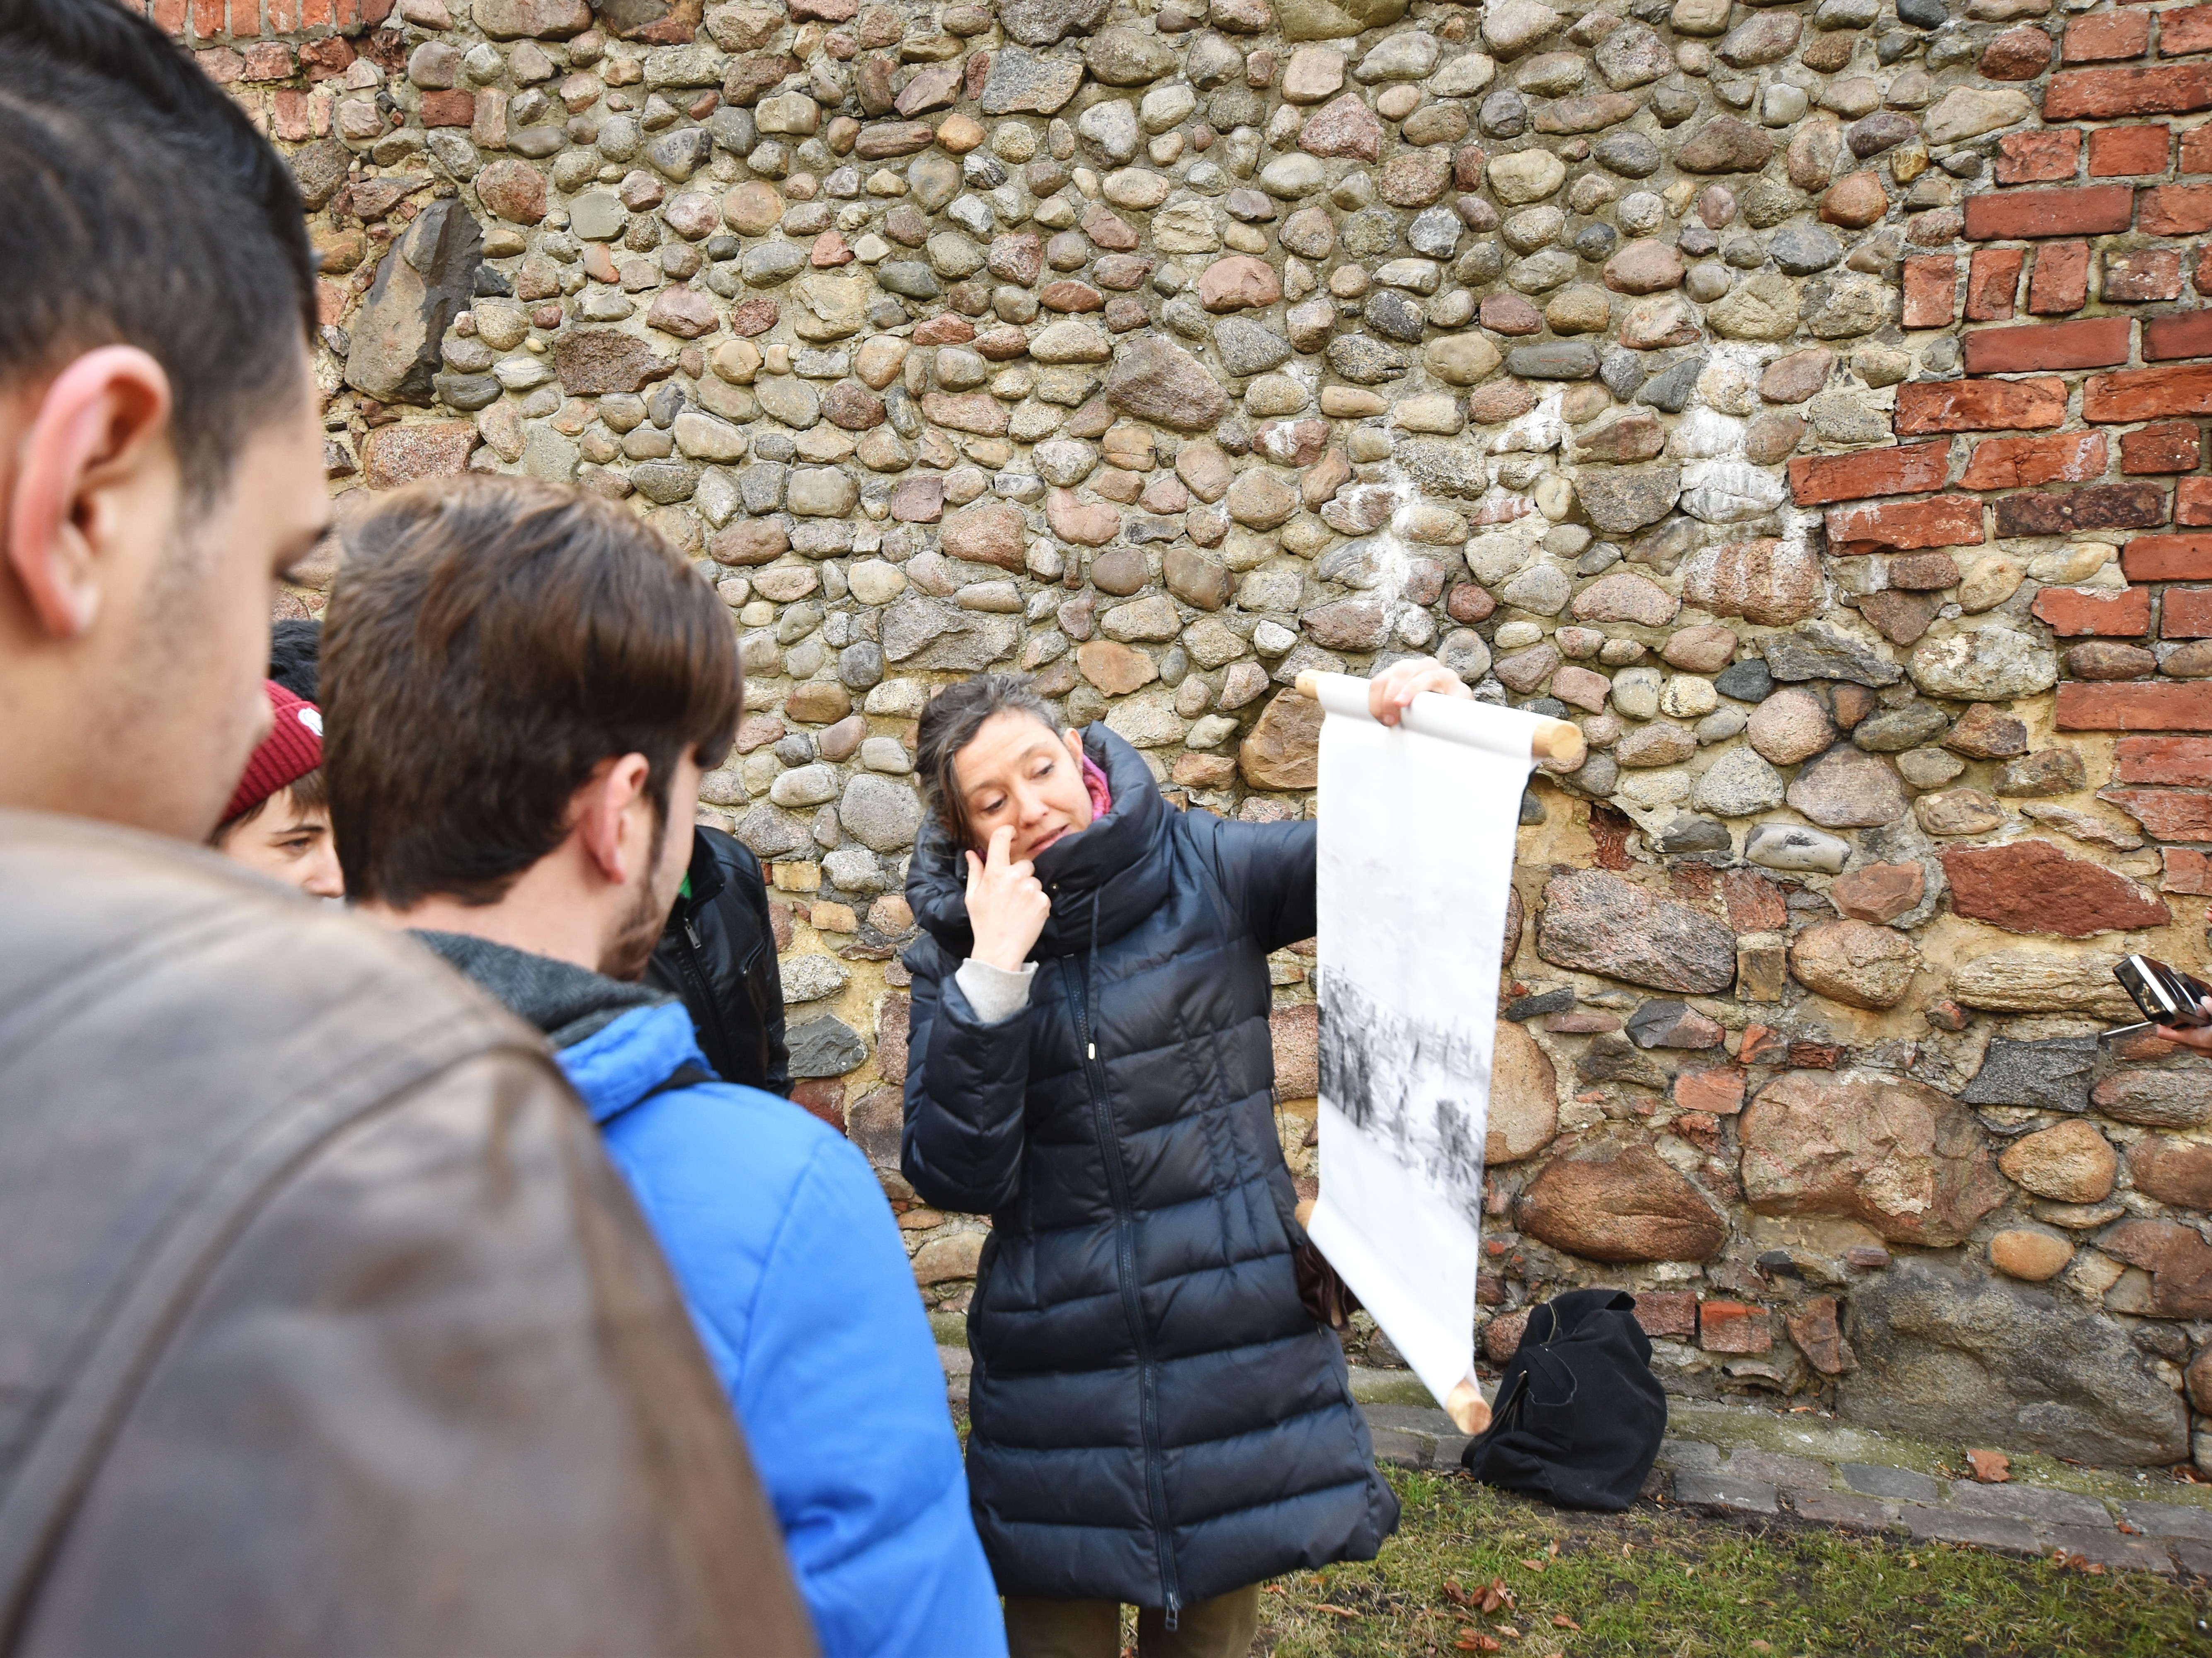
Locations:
column 718, row 954
column 328, row 1327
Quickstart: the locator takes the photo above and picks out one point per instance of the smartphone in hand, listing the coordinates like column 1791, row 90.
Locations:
column 2165, row 994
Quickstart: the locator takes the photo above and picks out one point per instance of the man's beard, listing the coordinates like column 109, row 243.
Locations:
column 630, row 950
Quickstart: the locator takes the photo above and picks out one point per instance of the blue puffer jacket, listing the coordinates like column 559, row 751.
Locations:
column 788, row 1254
column 1155, row 1418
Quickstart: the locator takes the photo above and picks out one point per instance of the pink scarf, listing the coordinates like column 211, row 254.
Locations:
column 1101, row 792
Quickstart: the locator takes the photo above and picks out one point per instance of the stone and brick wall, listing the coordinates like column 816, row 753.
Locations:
column 1806, row 398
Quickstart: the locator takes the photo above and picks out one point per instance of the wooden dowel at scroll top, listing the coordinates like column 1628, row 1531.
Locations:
column 1559, row 741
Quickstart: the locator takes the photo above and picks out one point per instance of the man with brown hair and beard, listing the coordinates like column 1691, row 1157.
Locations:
column 522, row 684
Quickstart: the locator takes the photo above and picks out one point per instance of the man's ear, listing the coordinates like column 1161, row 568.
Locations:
column 101, row 423
column 601, row 815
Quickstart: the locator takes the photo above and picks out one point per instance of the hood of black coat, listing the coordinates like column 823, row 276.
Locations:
column 1119, row 865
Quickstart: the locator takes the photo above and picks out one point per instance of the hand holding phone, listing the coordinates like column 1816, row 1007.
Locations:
column 2177, row 1006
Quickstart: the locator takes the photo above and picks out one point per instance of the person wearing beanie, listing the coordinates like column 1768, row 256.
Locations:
column 279, row 820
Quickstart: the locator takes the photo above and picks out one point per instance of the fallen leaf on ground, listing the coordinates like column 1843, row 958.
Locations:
column 1534, row 1565
column 1475, row 1641
column 1990, row 1468
column 1334, row 1612
column 1560, row 1620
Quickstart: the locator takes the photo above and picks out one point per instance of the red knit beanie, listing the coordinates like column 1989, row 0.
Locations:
column 293, row 747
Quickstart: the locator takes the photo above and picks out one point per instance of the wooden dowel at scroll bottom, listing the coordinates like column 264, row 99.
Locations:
column 1558, row 741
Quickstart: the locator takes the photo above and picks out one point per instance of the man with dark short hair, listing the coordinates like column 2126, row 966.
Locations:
column 325, row 1326
column 524, row 683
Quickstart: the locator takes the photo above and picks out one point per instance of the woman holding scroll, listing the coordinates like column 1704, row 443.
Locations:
column 1157, row 1420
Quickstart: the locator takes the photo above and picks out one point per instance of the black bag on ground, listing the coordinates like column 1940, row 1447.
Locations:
column 1579, row 1415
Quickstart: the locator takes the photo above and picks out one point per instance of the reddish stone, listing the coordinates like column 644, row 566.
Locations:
column 2084, row 707
column 1345, row 126
column 2112, row 506
column 1509, row 313
column 1108, row 231
column 918, row 499
column 1238, row 283
column 2188, row 872
column 1820, row 1337
column 2173, row 447
column 2129, row 152
column 1992, row 281
column 396, row 455
column 2074, row 612
column 823, row 1097
column 977, row 412
column 449, row 109
column 1469, row 602
column 2019, row 462
column 2196, row 150
column 1815, row 480
column 2175, row 210
column 2186, row 613
column 2104, row 95
column 2061, row 282
column 2146, row 274
column 2177, row 1259
column 1090, row 523
column 2182, row 334
column 2136, row 394
column 2161, row 759
column 2094, row 342
column 1879, row 892
column 2031, row 887
column 2029, row 158
column 1926, row 406
column 1663, row 1312
column 1944, row 521
column 1718, row 1092
column 1755, row 903
column 2108, row 38
column 1731, row 1327
column 2105, row 660
column 1616, row 1201
column 2178, row 1172
column 2019, row 54
column 2192, row 501
column 2168, row 814
column 1931, row 283
column 2185, row 29
column 2097, row 210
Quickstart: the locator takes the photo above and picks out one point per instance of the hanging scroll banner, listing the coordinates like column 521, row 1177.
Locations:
column 1418, row 829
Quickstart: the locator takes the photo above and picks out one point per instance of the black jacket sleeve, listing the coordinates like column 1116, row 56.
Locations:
column 1268, row 872
column 966, row 1083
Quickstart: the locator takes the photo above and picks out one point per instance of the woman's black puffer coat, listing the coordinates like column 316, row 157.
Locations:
column 1156, row 1419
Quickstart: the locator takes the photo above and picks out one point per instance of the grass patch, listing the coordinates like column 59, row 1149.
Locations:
column 1660, row 1582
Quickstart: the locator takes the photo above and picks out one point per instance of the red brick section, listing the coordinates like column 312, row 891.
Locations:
column 2185, row 29
column 2092, row 343
column 2084, row 705
column 2035, row 158
column 2168, row 814
column 1945, row 521
column 1731, row 1327
column 2192, row 501
column 2162, row 760
column 2104, row 95
column 1930, row 291
column 1667, row 1312
column 2182, row 334
column 2186, row 613
column 2095, row 210
column 2187, row 871
column 2143, row 275
column 1984, row 405
column 2196, row 150
column 2173, row 447
column 2031, row 886
column 2061, row 282
column 2147, row 393
column 2175, row 210
column 2129, row 152
column 1815, row 480
column 2019, row 462
column 2167, row 558
column 448, row 109
column 1992, row 280
column 2108, row 38
column 2076, row 612
column 2113, row 506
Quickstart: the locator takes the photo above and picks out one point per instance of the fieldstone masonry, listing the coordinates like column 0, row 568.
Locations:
column 1806, row 398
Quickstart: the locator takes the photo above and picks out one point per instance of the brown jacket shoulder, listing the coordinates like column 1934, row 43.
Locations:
column 324, row 1325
